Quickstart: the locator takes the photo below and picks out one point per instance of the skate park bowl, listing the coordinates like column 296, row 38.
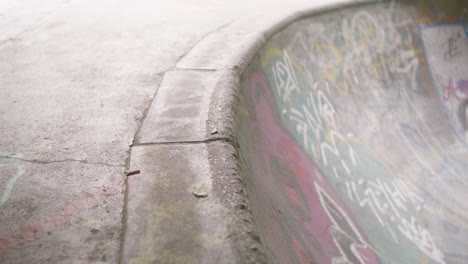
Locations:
column 351, row 131
column 321, row 132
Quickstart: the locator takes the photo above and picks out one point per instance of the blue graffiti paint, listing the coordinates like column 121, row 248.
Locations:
column 21, row 169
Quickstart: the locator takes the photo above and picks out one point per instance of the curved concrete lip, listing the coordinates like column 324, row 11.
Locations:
column 215, row 64
column 198, row 204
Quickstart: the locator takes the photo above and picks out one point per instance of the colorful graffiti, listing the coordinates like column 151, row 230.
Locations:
column 345, row 142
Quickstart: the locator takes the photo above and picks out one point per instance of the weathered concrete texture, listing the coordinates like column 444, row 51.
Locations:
column 58, row 219
column 76, row 79
column 180, row 110
column 174, row 215
column 221, row 122
column 352, row 131
column 229, row 185
column 88, row 65
column 192, row 106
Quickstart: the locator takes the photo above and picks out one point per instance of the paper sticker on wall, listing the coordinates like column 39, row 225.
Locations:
column 446, row 48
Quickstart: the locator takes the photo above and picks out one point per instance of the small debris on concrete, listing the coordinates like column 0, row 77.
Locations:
column 214, row 132
column 200, row 194
column 132, row 172
column 254, row 248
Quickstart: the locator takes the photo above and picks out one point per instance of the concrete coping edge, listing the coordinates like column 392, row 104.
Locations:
column 241, row 43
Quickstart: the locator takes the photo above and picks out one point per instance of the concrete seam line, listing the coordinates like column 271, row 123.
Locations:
column 125, row 190
column 220, row 139
column 196, row 70
column 162, row 75
column 61, row 161
column 219, row 126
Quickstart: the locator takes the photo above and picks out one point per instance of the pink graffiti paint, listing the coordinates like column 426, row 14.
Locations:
column 460, row 91
column 275, row 141
column 58, row 218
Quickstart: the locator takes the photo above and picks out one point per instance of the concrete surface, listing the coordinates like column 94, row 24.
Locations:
column 173, row 214
column 180, row 110
column 77, row 80
column 93, row 89
column 353, row 139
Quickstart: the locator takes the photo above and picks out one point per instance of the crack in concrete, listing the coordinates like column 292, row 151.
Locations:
column 18, row 36
column 28, row 29
column 196, row 70
column 186, row 142
column 32, row 26
column 61, row 161
column 225, row 25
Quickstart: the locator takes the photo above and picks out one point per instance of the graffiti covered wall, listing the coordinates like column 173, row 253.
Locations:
column 353, row 136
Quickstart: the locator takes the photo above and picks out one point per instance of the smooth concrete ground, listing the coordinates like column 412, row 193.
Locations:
column 76, row 81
